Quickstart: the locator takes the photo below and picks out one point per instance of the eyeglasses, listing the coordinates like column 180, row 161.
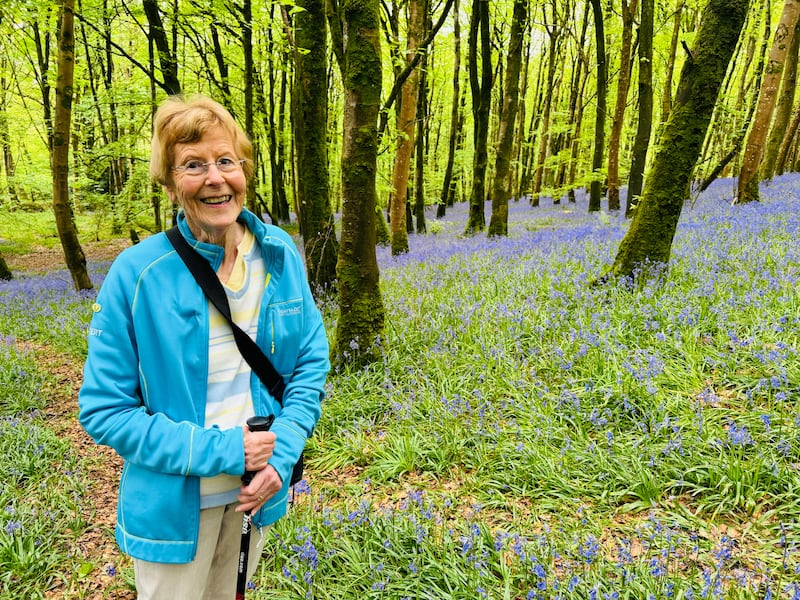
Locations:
column 195, row 168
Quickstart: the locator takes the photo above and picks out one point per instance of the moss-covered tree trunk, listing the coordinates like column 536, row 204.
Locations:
column 501, row 188
column 5, row 272
column 481, row 103
column 649, row 239
column 311, row 129
column 65, row 223
column 355, row 30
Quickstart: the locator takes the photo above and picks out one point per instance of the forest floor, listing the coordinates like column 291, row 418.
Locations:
column 96, row 545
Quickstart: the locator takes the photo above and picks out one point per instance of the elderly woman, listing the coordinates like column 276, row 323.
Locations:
column 165, row 385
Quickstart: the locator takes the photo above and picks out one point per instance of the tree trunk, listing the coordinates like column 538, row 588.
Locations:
column 747, row 190
column 576, row 109
column 783, row 111
column 754, row 83
column 519, row 135
column 73, row 253
column 360, row 326
column 246, row 28
column 447, row 187
column 8, row 163
column 645, row 121
column 498, row 224
column 5, row 272
column 311, row 139
column 596, row 192
column 420, row 153
column 554, row 34
column 623, row 84
column 166, row 56
column 787, row 143
column 406, row 127
column 666, row 102
column 646, row 247
column 481, row 104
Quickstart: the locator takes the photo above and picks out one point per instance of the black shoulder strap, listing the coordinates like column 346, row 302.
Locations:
column 212, row 286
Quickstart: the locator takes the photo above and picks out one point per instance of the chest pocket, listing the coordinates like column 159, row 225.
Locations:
column 285, row 328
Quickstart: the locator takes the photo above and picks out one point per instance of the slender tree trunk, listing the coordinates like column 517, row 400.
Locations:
column 787, row 143
column 8, row 163
column 623, row 85
column 356, row 39
column 422, row 136
column 596, row 188
column 498, row 224
column 748, row 177
column 481, row 104
column 645, row 121
column 76, row 260
column 447, row 187
column 648, row 242
column 519, row 135
column 406, row 127
column 783, row 111
column 754, row 83
column 576, row 109
column 449, row 182
column 311, row 139
column 166, row 55
column 554, row 34
column 246, row 28
column 666, row 102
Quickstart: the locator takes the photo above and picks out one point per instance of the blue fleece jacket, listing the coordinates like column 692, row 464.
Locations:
column 145, row 384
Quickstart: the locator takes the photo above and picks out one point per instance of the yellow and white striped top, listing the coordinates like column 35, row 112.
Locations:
column 230, row 402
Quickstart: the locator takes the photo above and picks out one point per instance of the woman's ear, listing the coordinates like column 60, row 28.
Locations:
column 171, row 194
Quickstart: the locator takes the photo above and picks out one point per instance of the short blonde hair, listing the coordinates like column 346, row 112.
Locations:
column 184, row 121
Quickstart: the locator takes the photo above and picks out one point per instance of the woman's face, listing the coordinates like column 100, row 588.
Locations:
column 212, row 200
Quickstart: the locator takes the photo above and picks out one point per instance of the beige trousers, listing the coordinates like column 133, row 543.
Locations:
column 212, row 573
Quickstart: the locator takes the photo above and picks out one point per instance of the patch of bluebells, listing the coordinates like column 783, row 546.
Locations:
column 47, row 308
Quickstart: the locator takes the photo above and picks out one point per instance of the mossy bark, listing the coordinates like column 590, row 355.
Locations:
column 359, row 329
column 649, row 239
column 311, row 127
column 5, row 272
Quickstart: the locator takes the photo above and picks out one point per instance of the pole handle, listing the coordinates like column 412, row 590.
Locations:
column 257, row 423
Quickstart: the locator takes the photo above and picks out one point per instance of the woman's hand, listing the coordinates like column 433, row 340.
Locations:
column 264, row 486
column 258, row 447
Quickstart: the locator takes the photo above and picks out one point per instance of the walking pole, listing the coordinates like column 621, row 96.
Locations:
column 254, row 424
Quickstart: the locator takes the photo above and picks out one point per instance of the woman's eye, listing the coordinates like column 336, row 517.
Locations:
column 225, row 162
column 193, row 165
